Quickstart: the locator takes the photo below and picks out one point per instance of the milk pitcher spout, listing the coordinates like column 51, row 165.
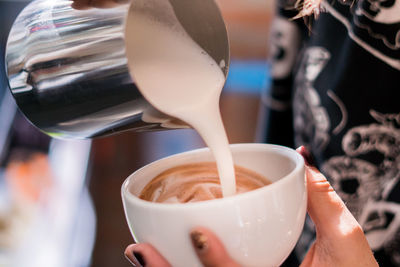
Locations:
column 68, row 70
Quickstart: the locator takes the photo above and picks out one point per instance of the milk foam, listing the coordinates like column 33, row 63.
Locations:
column 196, row 182
column 179, row 78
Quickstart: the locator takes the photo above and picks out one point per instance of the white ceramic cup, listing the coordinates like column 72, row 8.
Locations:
column 258, row 228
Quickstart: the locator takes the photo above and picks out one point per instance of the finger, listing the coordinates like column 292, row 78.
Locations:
column 81, row 4
column 102, row 3
column 121, row 2
column 324, row 206
column 309, row 258
column 340, row 238
column 145, row 255
column 107, row 3
column 210, row 250
column 86, row 4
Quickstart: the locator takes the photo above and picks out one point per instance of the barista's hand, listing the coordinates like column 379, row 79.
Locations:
column 340, row 239
column 86, row 4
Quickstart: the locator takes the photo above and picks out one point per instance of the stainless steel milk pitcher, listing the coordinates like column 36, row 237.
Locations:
column 68, row 71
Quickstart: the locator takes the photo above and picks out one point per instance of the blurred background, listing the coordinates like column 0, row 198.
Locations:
column 60, row 201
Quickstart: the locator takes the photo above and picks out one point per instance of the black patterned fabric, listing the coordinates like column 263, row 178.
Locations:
column 336, row 90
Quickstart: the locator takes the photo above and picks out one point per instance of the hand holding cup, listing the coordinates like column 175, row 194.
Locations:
column 340, row 240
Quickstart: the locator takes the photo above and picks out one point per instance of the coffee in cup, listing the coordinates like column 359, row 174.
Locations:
column 197, row 182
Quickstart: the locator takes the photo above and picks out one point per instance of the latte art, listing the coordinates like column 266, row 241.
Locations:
column 197, row 182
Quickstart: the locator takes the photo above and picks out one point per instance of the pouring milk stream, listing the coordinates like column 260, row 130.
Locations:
column 180, row 79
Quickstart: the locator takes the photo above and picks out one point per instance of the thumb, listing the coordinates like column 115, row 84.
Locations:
column 324, row 206
column 340, row 239
column 209, row 249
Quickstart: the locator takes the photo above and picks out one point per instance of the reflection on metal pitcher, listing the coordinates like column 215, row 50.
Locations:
column 68, row 70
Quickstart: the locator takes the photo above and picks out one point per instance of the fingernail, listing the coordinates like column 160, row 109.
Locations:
column 137, row 260
column 308, row 158
column 199, row 241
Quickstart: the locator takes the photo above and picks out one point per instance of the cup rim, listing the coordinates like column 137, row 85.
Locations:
column 289, row 152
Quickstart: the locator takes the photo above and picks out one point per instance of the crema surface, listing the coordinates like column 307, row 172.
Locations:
column 197, row 182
